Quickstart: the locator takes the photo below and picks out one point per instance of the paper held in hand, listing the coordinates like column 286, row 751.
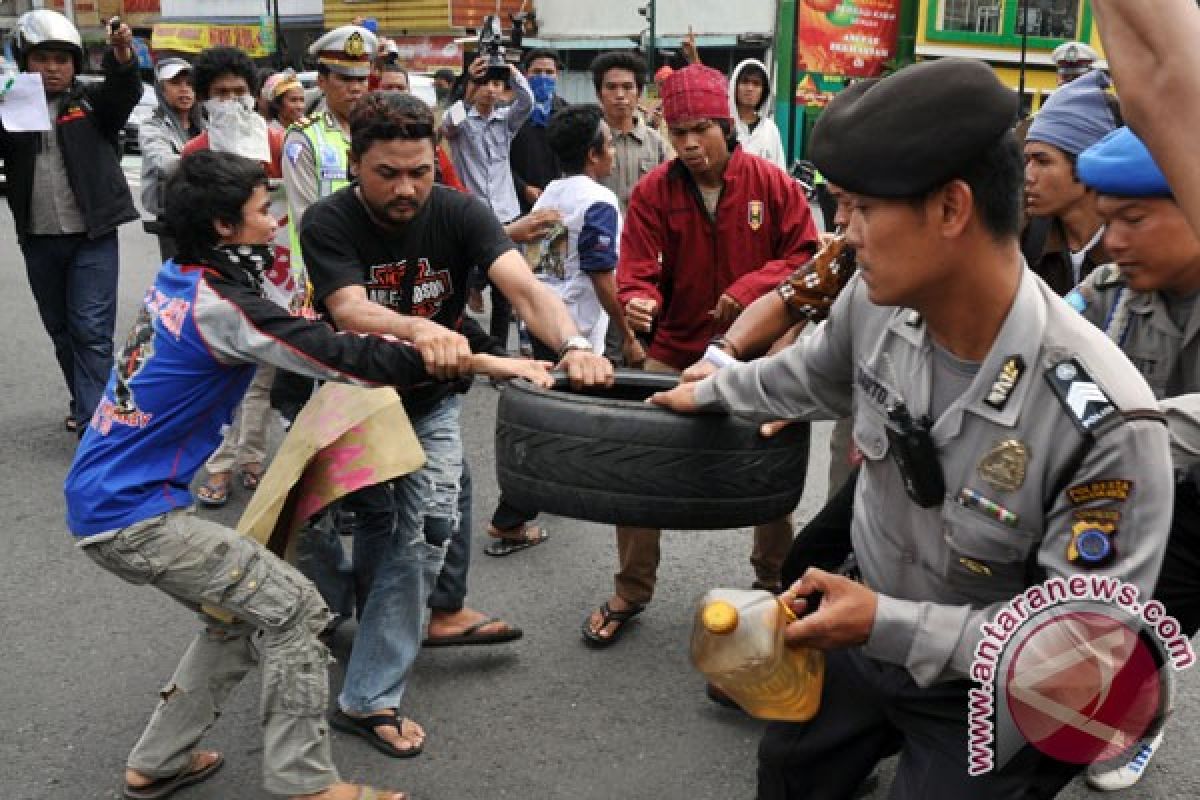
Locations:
column 23, row 104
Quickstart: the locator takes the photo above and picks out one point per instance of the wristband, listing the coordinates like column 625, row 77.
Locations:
column 715, row 355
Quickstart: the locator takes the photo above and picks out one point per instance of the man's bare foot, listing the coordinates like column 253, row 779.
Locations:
column 200, row 760
column 407, row 736
column 443, row 624
column 352, row 791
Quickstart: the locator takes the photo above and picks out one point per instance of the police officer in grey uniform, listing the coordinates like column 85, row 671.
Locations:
column 1147, row 304
column 988, row 414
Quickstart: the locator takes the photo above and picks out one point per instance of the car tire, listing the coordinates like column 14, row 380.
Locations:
column 607, row 456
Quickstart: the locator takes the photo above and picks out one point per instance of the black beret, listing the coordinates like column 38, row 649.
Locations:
column 912, row 131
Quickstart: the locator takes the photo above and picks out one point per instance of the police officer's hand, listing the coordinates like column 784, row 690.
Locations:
column 681, row 399
column 446, row 353
column 639, row 313
column 585, row 368
column 698, row 371
column 843, row 618
column 726, row 312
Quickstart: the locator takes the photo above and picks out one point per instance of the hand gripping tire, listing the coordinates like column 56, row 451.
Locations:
column 607, row 456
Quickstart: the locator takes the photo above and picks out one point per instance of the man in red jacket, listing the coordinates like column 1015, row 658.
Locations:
column 706, row 234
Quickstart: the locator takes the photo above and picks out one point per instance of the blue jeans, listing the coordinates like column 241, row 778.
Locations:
column 401, row 534
column 74, row 281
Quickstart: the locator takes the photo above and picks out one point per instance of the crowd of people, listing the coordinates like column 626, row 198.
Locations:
column 351, row 237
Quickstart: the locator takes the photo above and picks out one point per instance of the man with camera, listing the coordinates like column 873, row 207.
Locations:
column 481, row 135
column 68, row 196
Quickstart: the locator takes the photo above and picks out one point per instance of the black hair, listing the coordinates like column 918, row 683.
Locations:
column 384, row 116
column 621, row 59
column 217, row 61
column 573, row 134
column 996, row 177
column 539, row 53
column 205, row 188
column 392, row 66
column 445, row 74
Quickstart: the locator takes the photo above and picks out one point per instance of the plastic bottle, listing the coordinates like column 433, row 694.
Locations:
column 737, row 642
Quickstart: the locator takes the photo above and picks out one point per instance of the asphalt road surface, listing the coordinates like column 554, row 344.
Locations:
column 543, row 718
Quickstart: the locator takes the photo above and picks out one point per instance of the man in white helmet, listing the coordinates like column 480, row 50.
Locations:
column 1073, row 60
column 68, row 194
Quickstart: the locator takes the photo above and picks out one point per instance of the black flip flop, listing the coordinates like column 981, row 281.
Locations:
column 608, row 615
column 472, row 636
column 365, row 727
column 165, row 787
column 507, row 545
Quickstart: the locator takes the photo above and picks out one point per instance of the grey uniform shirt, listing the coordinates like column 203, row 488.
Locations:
column 942, row 572
column 480, row 148
column 1167, row 355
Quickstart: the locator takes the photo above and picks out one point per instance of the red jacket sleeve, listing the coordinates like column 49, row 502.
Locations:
column 638, row 269
column 794, row 245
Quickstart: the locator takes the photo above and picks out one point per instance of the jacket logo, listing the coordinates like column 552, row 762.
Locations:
column 754, row 214
column 72, row 114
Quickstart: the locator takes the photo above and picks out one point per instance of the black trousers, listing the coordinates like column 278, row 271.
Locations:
column 1179, row 582
column 871, row 710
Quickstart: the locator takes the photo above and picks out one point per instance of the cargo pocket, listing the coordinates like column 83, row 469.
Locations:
column 131, row 554
column 248, row 581
column 296, row 680
column 985, row 559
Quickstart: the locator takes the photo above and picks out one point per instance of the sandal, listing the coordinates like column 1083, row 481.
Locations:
column 608, row 615
column 505, row 543
column 165, row 787
column 214, row 492
column 365, row 728
column 251, row 476
column 474, row 635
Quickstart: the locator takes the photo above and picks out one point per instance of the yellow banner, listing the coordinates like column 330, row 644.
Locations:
column 188, row 38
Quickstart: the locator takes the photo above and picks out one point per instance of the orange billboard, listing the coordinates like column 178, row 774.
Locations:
column 851, row 38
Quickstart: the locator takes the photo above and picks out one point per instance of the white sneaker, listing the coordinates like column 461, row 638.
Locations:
column 1108, row 779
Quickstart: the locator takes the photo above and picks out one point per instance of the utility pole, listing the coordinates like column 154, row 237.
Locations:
column 1024, row 12
column 648, row 11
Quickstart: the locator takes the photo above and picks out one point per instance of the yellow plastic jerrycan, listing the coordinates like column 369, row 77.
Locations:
column 737, row 642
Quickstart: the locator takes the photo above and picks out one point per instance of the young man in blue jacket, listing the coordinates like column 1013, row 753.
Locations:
column 203, row 328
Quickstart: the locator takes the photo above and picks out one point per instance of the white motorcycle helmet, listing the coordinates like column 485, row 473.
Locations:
column 50, row 29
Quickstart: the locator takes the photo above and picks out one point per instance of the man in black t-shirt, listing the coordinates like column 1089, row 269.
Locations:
column 390, row 254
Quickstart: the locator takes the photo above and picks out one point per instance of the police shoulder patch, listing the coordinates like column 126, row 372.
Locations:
column 1085, row 402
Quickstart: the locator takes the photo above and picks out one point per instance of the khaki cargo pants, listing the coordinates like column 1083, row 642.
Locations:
column 199, row 562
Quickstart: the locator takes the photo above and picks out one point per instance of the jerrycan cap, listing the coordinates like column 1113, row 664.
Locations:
column 719, row 617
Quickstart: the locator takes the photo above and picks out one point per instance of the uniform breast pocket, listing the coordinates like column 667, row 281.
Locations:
column 985, row 560
column 1153, row 366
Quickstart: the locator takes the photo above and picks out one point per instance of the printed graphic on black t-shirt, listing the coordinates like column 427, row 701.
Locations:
column 419, row 270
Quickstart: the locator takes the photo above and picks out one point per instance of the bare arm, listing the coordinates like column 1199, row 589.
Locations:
column 446, row 353
column 1151, row 48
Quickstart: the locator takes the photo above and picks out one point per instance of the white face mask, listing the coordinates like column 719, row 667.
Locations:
column 235, row 127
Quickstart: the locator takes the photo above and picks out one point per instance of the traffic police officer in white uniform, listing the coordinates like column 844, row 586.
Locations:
column 317, row 148
column 989, row 414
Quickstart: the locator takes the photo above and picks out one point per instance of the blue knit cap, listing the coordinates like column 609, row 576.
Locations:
column 1076, row 116
column 1120, row 165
